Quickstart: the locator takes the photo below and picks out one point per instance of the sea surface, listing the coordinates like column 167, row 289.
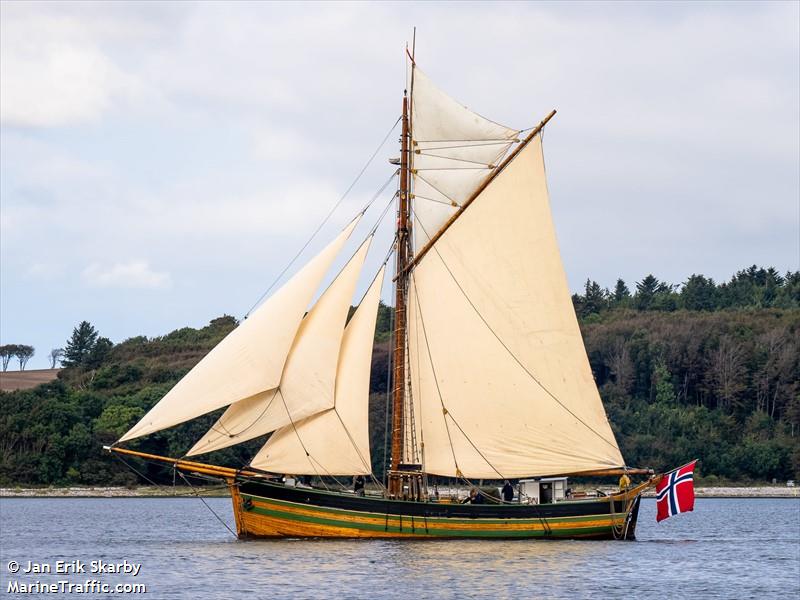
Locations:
column 727, row 548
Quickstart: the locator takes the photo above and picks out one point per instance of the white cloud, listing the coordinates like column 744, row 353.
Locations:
column 132, row 274
column 57, row 68
column 56, row 86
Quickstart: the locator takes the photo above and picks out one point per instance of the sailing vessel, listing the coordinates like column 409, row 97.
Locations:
column 490, row 378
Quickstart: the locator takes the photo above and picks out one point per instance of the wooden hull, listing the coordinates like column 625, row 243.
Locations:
column 264, row 509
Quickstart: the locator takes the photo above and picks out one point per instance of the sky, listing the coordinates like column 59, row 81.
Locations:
column 161, row 163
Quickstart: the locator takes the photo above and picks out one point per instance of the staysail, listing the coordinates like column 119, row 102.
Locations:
column 334, row 442
column 453, row 151
column 497, row 361
column 308, row 381
column 250, row 359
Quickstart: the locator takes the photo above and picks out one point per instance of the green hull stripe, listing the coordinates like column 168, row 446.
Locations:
column 580, row 531
column 435, row 520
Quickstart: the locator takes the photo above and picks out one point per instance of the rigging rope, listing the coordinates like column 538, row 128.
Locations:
column 208, row 506
column 360, row 456
column 311, row 459
column 445, row 203
column 227, row 432
column 326, row 219
column 620, row 530
column 193, row 492
column 438, row 190
column 299, row 439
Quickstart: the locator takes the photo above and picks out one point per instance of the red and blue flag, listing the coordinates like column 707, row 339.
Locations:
column 675, row 492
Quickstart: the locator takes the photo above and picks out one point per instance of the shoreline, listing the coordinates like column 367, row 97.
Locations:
column 145, row 491
column 216, row 492
column 766, row 491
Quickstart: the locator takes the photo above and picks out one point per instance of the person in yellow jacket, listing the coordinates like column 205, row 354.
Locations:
column 624, row 482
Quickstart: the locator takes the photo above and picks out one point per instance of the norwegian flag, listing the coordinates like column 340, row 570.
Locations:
column 675, row 492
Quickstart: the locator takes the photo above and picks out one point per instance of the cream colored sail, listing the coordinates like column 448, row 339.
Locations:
column 334, row 442
column 307, row 384
column 497, row 361
column 250, row 359
column 453, row 151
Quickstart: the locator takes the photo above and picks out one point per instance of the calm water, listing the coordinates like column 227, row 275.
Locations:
column 727, row 548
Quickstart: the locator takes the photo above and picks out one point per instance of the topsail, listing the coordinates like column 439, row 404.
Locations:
column 453, row 151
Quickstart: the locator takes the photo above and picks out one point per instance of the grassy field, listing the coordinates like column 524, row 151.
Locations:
column 24, row 380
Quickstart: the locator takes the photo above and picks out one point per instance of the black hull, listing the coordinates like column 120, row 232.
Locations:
column 265, row 509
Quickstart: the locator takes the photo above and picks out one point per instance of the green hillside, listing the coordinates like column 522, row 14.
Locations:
column 703, row 370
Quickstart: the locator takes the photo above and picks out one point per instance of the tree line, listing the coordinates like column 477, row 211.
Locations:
column 681, row 378
column 84, row 349
column 754, row 287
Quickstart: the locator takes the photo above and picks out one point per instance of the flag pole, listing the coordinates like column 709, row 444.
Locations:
column 691, row 462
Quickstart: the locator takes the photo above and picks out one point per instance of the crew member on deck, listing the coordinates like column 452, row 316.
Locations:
column 624, row 482
column 358, row 485
column 508, row 492
column 475, row 497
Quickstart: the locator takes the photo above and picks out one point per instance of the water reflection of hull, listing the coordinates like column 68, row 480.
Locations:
column 265, row 509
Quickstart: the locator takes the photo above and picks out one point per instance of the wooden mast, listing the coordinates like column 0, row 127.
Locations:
column 401, row 294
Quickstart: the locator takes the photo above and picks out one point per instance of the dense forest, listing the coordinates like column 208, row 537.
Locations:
column 701, row 370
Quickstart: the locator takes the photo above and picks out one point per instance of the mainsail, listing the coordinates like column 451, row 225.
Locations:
column 498, row 365
column 308, row 381
column 250, row 359
column 334, row 442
